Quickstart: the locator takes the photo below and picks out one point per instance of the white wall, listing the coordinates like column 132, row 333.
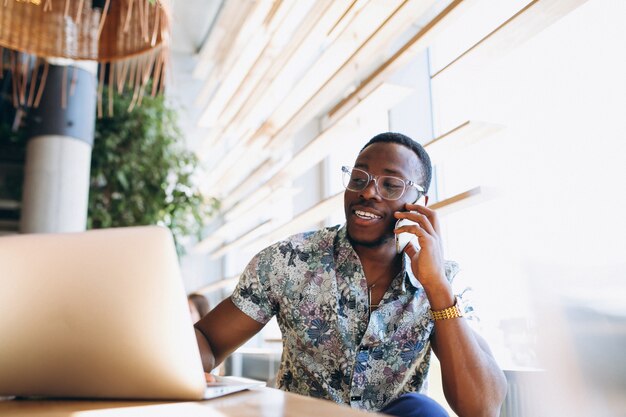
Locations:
column 554, row 176
column 558, row 168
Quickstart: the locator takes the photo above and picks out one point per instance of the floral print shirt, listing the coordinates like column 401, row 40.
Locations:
column 332, row 348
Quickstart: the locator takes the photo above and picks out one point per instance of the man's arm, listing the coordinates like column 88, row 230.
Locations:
column 473, row 383
column 222, row 331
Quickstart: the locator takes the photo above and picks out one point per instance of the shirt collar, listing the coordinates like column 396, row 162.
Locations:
column 343, row 248
column 346, row 252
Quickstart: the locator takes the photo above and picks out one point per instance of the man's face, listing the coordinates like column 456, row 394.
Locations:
column 369, row 217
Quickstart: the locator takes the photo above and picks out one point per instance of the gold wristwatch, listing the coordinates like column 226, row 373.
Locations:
column 448, row 313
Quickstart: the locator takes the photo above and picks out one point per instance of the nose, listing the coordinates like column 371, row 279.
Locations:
column 371, row 191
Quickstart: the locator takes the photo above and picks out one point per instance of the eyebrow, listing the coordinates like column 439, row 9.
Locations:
column 386, row 170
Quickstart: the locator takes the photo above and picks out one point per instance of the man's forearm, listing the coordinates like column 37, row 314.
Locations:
column 206, row 353
column 473, row 383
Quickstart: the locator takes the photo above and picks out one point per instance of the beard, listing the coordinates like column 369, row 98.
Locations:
column 381, row 241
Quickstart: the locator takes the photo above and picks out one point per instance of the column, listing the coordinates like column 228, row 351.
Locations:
column 58, row 153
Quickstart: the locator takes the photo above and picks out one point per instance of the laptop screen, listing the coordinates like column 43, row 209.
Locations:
column 97, row 314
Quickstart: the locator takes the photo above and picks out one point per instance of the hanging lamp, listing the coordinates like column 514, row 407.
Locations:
column 130, row 38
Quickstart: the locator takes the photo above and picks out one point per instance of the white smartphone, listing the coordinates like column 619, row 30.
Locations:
column 403, row 239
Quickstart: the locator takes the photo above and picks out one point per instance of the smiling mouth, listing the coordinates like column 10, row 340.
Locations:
column 366, row 215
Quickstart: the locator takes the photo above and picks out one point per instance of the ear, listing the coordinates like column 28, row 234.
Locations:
column 425, row 200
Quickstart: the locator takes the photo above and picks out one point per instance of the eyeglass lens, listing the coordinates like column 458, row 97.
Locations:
column 390, row 188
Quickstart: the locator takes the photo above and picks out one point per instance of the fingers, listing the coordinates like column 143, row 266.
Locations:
column 414, row 229
column 209, row 377
column 426, row 232
column 410, row 249
column 421, row 219
column 429, row 213
column 425, row 239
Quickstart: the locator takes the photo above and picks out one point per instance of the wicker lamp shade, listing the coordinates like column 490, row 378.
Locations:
column 130, row 37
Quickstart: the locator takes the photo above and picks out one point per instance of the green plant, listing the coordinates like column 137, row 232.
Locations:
column 142, row 174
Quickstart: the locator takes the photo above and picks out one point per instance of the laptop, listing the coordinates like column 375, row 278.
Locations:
column 99, row 314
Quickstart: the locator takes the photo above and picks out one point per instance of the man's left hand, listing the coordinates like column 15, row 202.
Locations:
column 427, row 263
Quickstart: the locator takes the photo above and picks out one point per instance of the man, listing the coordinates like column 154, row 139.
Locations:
column 359, row 320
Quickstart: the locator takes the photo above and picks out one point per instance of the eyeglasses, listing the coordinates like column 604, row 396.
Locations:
column 388, row 187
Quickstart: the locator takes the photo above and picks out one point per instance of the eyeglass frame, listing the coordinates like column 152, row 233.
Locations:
column 370, row 177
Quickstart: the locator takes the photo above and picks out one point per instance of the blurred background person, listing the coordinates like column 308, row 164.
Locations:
column 198, row 306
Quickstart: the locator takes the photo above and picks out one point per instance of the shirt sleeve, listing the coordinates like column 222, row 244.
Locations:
column 463, row 291
column 252, row 295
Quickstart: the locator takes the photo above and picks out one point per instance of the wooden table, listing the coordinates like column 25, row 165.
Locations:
column 258, row 402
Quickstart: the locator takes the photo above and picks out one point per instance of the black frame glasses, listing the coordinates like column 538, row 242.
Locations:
column 389, row 192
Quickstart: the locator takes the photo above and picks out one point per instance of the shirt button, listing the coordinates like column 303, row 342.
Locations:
column 355, row 398
column 363, row 348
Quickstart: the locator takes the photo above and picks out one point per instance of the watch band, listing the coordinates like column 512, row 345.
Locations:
column 448, row 313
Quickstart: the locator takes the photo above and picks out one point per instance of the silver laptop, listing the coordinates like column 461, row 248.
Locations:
column 98, row 314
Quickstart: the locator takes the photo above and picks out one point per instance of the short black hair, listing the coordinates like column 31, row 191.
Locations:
column 422, row 155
